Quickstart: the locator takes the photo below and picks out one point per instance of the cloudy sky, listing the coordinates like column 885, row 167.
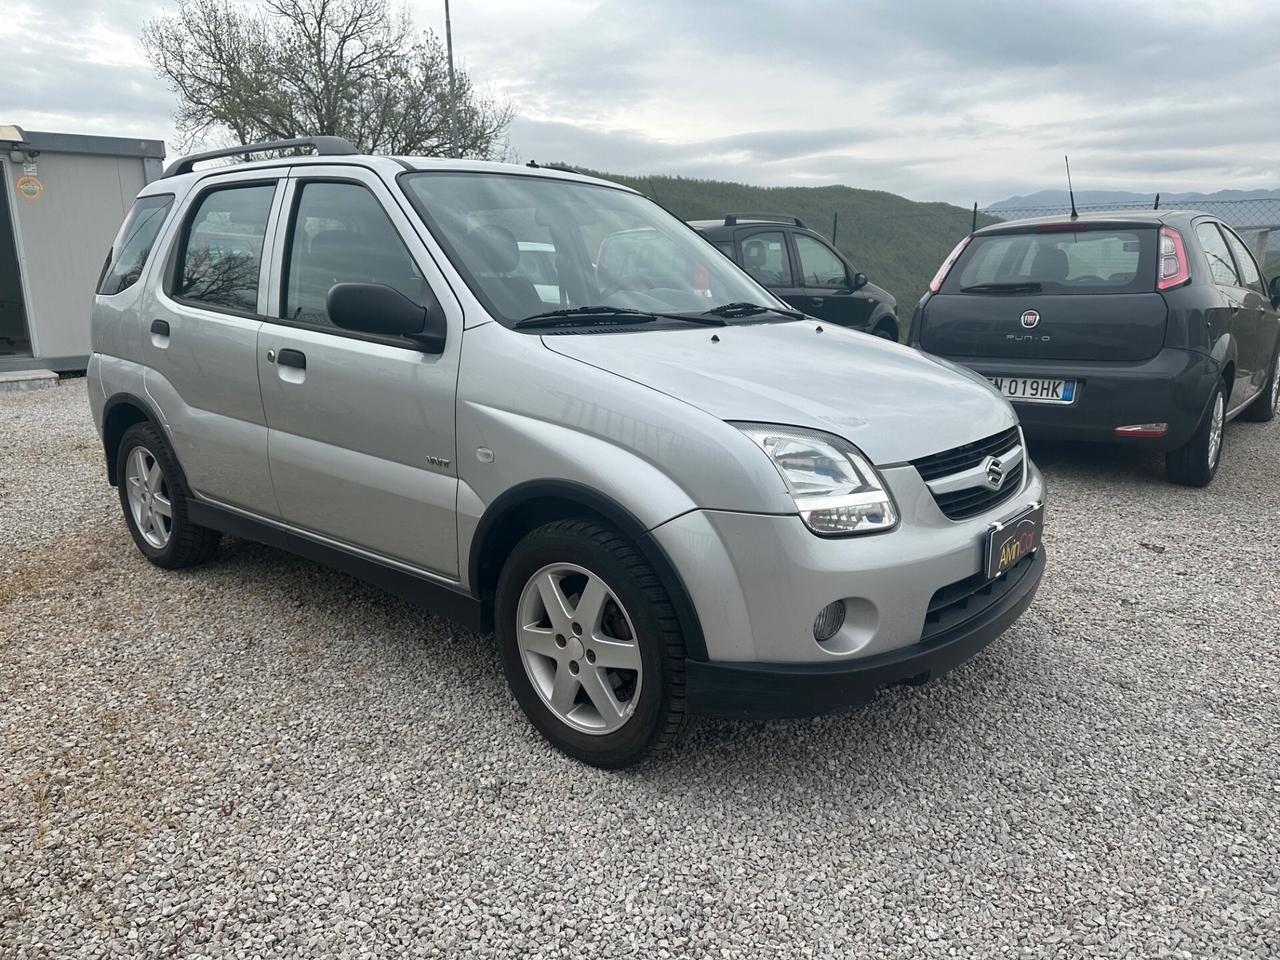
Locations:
column 945, row 100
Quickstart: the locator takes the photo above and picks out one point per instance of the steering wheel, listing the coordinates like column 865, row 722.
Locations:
column 630, row 281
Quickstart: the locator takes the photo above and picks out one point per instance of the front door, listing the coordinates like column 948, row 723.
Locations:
column 828, row 286
column 361, row 427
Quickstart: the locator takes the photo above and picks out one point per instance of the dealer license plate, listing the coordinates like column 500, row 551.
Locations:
column 1036, row 389
column 1009, row 542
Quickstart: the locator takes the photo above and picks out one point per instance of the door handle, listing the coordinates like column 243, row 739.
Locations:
column 292, row 358
column 160, row 327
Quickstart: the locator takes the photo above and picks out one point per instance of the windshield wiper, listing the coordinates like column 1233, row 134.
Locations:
column 733, row 311
column 585, row 316
column 1023, row 286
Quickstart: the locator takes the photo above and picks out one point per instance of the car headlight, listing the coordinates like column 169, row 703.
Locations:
column 837, row 492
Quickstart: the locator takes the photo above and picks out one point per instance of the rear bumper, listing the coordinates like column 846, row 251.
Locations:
column 764, row 690
column 1172, row 387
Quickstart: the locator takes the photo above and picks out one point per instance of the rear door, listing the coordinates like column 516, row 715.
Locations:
column 765, row 254
column 1079, row 291
column 1257, row 311
column 1233, row 317
column 200, row 334
column 361, row 427
column 827, row 287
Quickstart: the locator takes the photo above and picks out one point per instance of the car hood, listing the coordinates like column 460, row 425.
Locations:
column 894, row 403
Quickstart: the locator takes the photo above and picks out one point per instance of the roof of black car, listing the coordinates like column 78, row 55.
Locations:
column 1098, row 219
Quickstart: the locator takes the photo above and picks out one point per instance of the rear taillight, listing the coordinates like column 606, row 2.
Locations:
column 1174, row 270
column 936, row 283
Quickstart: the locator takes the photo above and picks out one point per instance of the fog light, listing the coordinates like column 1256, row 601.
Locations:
column 1143, row 430
column 830, row 619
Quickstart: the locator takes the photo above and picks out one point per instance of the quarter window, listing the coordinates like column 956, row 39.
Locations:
column 133, row 243
column 222, row 254
column 764, row 256
column 819, row 265
column 1249, row 272
column 1215, row 249
column 341, row 234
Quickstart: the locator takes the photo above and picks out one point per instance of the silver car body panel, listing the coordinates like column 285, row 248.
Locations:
column 397, row 455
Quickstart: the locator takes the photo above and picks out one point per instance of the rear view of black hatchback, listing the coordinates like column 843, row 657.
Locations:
column 1152, row 328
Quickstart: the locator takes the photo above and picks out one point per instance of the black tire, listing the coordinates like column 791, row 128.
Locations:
column 659, row 713
column 187, row 544
column 1191, row 465
column 887, row 331
column 1263, row 409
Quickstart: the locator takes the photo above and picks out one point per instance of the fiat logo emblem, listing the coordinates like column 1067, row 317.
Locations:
column 1030, row 319
column 995, row 473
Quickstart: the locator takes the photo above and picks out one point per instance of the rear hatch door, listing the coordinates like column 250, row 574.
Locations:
column 1051, row 292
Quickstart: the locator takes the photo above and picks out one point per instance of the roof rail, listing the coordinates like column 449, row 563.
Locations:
column 324, row 147
column 733, row 219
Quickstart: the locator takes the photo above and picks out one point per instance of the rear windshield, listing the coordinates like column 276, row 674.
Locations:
column 1058, row 262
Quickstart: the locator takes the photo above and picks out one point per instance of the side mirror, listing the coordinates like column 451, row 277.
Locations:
column 859, row 281
column 379, row 309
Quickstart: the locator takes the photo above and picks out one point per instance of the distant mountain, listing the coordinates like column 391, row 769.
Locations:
column 898, row 243
column 1059, row 198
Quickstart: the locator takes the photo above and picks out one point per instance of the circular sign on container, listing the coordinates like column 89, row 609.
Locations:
column 29, row 188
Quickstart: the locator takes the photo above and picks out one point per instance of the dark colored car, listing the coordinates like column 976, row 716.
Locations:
column 803, row 269
column 1151, row 328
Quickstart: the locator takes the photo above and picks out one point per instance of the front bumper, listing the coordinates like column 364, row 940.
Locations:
column 767, row 690
column 1172, row 387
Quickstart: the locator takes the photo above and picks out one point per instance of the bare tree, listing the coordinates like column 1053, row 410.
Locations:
column 296, row 68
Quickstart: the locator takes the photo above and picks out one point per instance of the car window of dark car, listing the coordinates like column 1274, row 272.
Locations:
column 764, row 256
column 340, row 234
column 1215, row 249
column 819, row 265
column 1249, row 271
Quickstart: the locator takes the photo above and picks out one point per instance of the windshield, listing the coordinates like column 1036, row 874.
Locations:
column 1057, row 262
column 532, row 245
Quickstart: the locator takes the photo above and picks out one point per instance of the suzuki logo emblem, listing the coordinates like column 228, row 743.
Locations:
column 1030, row 319
column 994, row 470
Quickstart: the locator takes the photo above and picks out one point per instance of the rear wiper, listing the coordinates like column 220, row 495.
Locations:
column 585, row 316
column 735, row 310
column 1024, row 286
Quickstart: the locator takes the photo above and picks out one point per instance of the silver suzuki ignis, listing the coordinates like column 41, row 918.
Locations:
column 540, row 405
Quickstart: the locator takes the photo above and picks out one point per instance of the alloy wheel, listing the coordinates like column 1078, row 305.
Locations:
column 149, row 500
column 579, row 648
column 1215, row 430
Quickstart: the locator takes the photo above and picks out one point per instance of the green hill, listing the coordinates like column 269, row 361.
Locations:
column 896, row 242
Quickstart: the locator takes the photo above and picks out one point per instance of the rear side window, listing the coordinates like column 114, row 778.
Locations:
column 1060, row 262
column 341, row 235
column 1248, row 267
column 133, row 243
column 1215, row 249
column 221, row 254
column 764, row 256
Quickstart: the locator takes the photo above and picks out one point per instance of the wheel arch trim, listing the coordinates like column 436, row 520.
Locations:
column 113, row 430
column 487, row 537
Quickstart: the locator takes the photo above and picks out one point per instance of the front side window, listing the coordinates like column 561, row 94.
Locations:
column 764, row 256
column 132, row 246
column 340, row 234
column 529, row 245
column 819, row 266
column 1249, row 272
column 1057, row 261
column 222, row 254
column 1215, row 249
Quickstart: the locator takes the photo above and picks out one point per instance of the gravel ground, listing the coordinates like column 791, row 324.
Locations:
column 263, row 758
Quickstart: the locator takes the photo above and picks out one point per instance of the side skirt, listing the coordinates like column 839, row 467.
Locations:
column 456, row 605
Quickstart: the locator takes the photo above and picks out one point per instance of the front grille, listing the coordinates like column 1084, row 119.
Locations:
column 971, row 500
column 962, row 458
column 968, row 598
